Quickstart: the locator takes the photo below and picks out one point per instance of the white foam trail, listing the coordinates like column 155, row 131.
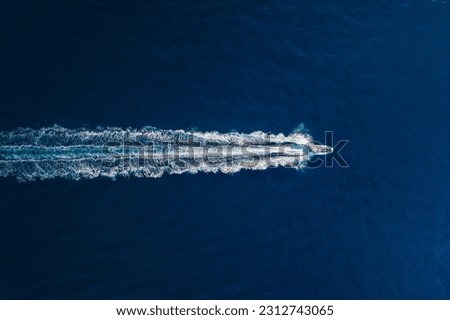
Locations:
column 57, row 152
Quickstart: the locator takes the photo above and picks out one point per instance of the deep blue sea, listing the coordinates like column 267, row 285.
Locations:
column 376, row 74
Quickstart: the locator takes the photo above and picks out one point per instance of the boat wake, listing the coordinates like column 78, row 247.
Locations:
column 57, row 152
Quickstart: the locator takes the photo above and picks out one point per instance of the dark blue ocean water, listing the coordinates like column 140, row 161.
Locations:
column 376, row 74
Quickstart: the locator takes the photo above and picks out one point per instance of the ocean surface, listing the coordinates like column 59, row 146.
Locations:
column 375, row 74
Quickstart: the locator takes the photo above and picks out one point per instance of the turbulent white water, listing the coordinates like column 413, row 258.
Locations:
column 57, row 152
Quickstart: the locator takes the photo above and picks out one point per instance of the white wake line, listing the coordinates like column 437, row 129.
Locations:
column 57, row 152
